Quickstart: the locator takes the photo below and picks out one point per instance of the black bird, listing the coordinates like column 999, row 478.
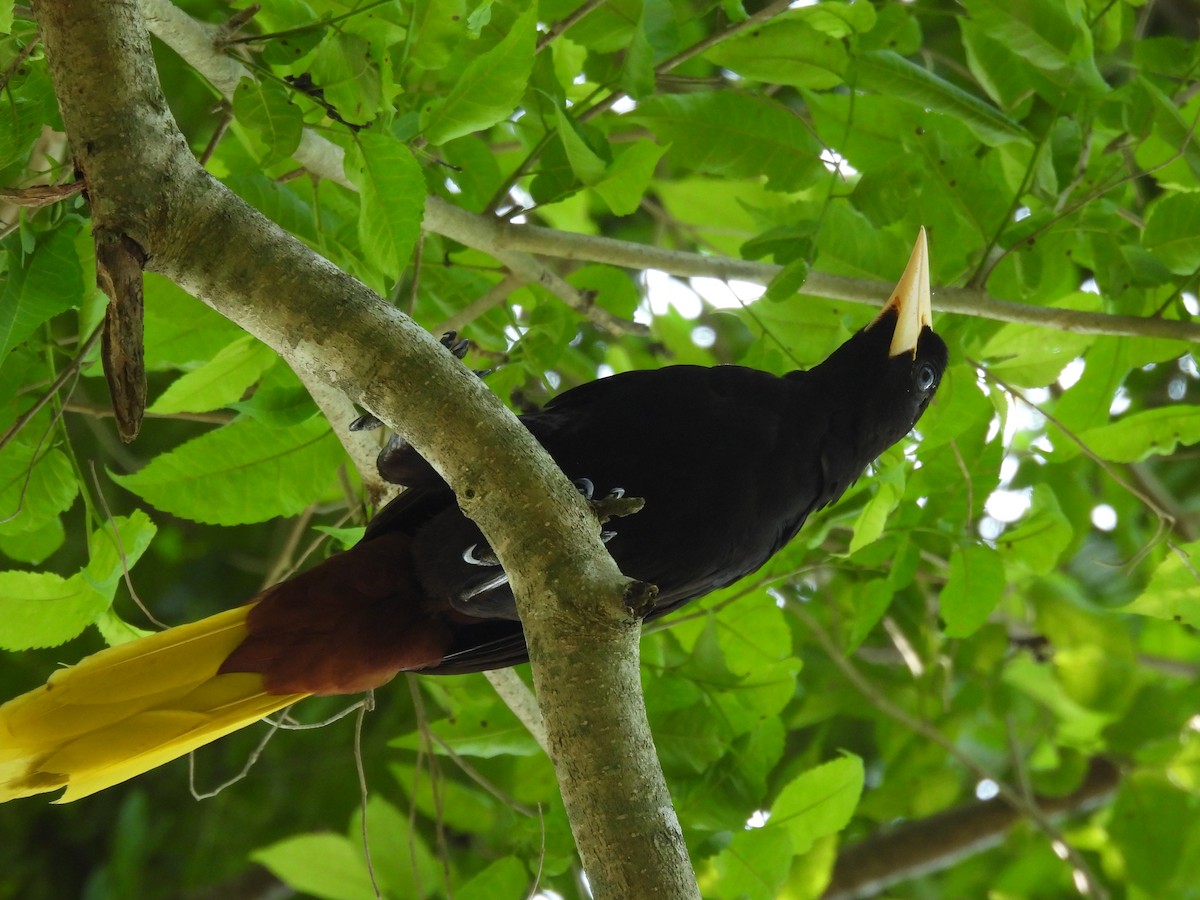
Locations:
column 729, row 462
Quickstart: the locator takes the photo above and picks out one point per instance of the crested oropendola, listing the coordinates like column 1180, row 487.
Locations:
column 729, row 461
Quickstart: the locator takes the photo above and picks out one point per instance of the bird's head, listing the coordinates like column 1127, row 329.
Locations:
column 887, row 373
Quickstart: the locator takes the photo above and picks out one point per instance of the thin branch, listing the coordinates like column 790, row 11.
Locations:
column 519, row 698
column 495, row 296
column 68, row 372
column 964, row 301
column 364, row 708
column 120, row 545
column 564, row 24
column 767, row 12
column 510, row 244
column 96, row 411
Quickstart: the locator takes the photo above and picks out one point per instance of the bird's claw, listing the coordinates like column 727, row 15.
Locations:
column 640, row 598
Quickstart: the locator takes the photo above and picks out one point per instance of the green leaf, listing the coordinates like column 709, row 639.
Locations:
column 484, row 728
column 890, row 74
column 115, row 548
column 392, row 189
column 489, row 89
column 838, row 20
column 626, row 180
column 1050, row 34
column 637, row 71
column 873, row 518
column 818, row 802
column 35, row 545
column 242, row 472
column 587, row 166
column 735, row 136
column 1150, row 824
column 1173, row 593
column 753, row 866
column 1028, row 356
column 973, row 588
column 1041, row 537
column 436, row 28
column 34, row 490
column 278, row 406
column 181, row 332
column 42, row 609
column 870, row 601
column 403, row 863
column 324, row 865
column 1136, row 436
column 479, row 18
column 40, row 287
column 219, row 382
column 785, row 51
column 788, row 281
column 1173, row 232
column 503, row 878
column 266, row 108
column 348, row 77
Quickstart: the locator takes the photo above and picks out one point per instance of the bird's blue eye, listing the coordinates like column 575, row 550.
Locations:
column 925, row 377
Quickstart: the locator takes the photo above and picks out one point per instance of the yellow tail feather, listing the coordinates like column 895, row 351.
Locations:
column 125, row 710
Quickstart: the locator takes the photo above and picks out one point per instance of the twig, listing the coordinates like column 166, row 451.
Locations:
column 19, row 60
column 478, row 777
column 565, row 24
column 116, row 533
column 767, row 12
column 495, row 296
column 250, row 762
column 106, row 412
column 55, row 386
column 365, row 707
column 283, row 558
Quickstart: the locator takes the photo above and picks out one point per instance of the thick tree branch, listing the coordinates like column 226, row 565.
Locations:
column 143, row 183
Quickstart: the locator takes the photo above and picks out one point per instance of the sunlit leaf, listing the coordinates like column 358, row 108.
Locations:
column 785, row 51
column 489, row 89
column 393, row 199
column 241, row 472
column 818, row 802
column 973, row 588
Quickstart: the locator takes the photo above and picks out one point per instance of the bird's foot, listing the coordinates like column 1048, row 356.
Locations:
column 613, row 505
column 640, row 598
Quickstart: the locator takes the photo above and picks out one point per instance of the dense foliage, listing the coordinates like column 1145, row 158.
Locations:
column 1000, row 603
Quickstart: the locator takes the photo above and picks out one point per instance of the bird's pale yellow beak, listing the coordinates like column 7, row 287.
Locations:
column 911, row 301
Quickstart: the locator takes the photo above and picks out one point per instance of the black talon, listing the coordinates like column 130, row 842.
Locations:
column 456, row 347
column 366, row 422
column 585, row 487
